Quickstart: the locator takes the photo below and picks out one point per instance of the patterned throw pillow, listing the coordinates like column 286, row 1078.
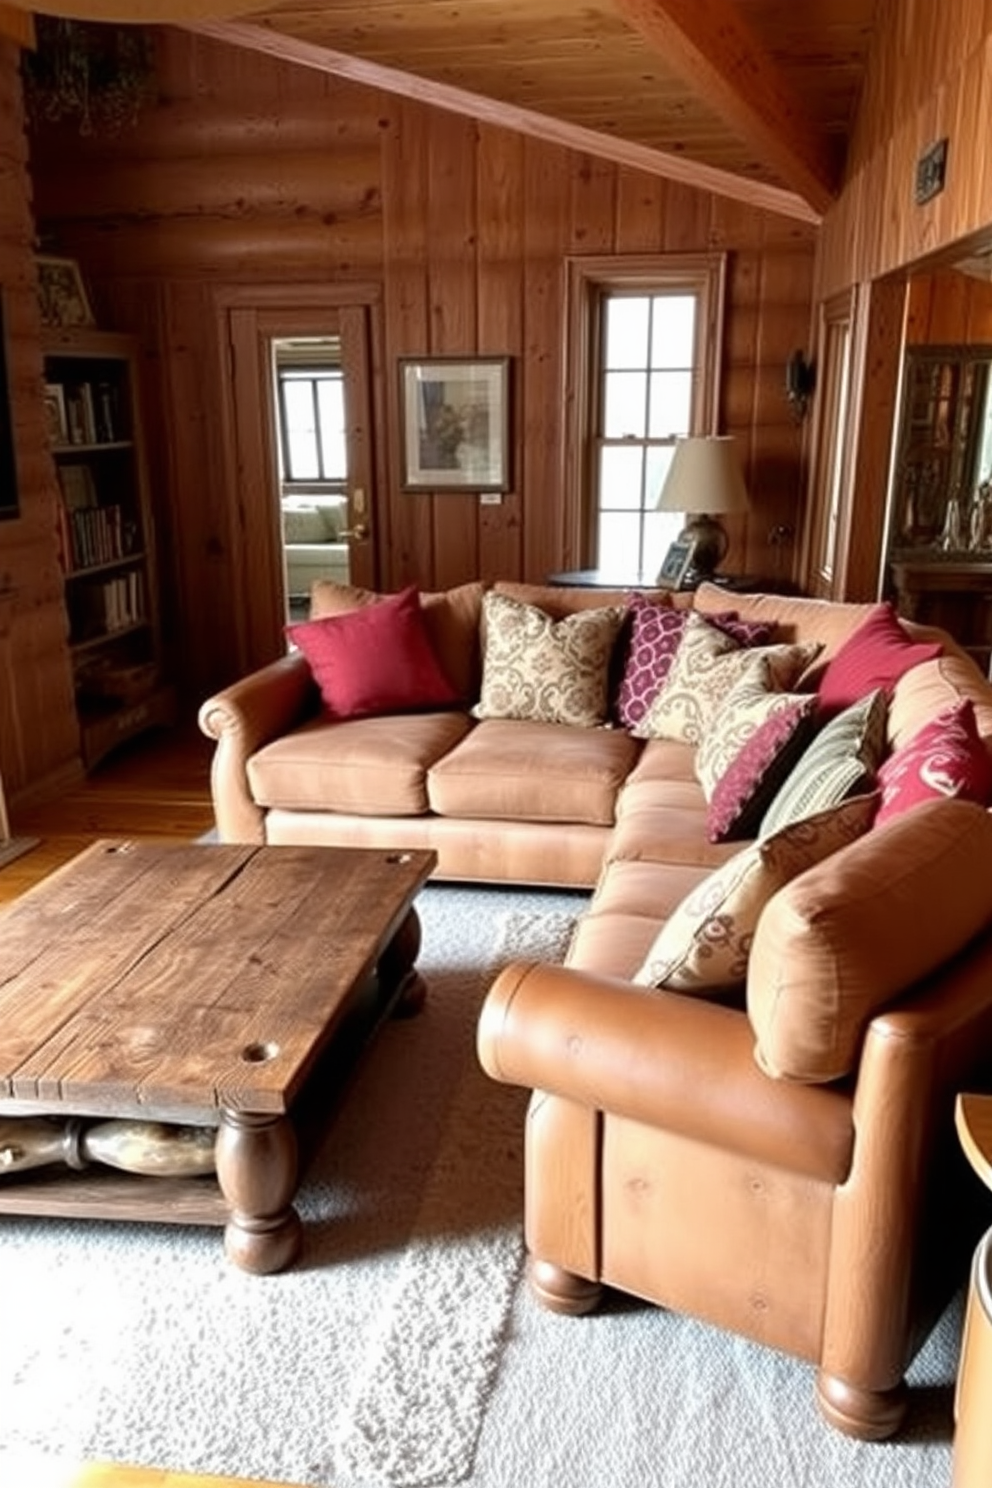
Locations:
column 751, row 781
column 704, row 944
column 946, row 757
column 842, row 759
column 707, row 665
column 550, row 671
column 655, row 633
column 750, row 701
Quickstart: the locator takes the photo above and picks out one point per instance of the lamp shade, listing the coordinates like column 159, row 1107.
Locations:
column 704, row 476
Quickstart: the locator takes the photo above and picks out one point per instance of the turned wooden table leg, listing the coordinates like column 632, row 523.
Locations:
column 397, row 970
column 257, row 1172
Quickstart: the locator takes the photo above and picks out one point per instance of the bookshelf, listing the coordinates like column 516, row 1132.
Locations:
column 106, row 538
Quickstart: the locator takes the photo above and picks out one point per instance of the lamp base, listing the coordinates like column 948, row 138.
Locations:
column 709, row 544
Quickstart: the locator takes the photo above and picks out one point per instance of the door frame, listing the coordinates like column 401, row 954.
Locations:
column 249, row 318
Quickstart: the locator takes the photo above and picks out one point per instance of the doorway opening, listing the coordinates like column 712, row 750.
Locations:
column 313, row 466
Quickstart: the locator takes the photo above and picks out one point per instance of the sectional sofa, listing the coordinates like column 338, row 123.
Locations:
column 744, row 1073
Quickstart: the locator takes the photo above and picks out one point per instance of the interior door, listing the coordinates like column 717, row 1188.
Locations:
column 255, row 318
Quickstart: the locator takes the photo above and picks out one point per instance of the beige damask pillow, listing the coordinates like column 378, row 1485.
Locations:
column 751, row 701
column 704, row 944
column 551, row 671
column 707, row 665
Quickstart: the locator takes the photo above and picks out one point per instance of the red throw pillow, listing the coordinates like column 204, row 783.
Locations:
column 751, row 781
column 946, row 757
column 377, row 659
column 874, row 656
column 655, row 632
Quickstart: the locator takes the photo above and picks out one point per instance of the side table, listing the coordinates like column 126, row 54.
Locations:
column 972, row 1397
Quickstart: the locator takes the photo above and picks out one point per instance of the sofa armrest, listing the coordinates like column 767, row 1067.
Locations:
column 242, row 718
column 660, row 1058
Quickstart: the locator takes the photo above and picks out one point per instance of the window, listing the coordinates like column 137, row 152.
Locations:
column 644, row 357
column 310, row 387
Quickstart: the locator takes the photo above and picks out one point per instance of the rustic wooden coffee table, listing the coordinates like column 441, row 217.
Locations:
column 223, row 988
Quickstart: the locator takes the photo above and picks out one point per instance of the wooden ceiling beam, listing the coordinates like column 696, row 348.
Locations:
column 709, row 45
column 264, row 38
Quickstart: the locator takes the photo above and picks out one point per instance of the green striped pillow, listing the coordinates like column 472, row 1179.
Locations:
column 841, row 760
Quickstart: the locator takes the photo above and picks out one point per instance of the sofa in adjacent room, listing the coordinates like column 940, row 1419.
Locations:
column 744, row 1072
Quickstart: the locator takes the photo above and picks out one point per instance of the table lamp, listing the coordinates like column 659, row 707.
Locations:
column 704, row 479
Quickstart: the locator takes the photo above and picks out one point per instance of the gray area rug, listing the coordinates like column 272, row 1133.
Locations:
column 404, row 1349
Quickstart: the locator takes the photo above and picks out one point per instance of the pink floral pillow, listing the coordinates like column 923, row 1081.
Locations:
column 655, row 633
column 748, row 785
column 946, row 757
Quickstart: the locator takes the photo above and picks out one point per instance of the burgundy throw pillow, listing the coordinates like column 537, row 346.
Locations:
column 750, row 782
column 946, row 757
column 655, row 631
column 874, row 656
column 377, row 659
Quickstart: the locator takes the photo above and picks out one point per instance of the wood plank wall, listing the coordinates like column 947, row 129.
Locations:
column 251, row 171
column 39, row 740
column 948, row 308
column 929, row 76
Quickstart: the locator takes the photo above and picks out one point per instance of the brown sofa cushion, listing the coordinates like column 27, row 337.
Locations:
column 925, row 691
column 795, row 618
column 844, row 940
column 367, row 766
column 451, row 616
column 519, row 770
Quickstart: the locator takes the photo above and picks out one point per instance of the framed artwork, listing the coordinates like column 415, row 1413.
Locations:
column 676, row 565
column 55, row 414
column 10, row 505
column 455, row 424
column 62, row 294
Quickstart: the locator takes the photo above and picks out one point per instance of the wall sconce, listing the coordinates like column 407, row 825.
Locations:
column 800, row 380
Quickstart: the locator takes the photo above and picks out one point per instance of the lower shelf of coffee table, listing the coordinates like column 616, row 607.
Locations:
column 113, row 1195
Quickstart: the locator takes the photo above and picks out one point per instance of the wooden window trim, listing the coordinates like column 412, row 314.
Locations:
column 588, row 279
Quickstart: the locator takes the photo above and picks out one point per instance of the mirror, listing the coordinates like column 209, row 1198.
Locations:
column 942, row 500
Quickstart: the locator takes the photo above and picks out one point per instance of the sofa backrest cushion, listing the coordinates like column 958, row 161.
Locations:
column 795, row 618
column 845, row 939
column 451, row 616
column 929, row 689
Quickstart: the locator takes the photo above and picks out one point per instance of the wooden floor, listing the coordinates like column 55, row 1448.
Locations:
column 157, row 786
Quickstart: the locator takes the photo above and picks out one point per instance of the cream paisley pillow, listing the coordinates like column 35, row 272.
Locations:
column 550, row 671
column 707, row 665
column 749, row 703
column 704, row 944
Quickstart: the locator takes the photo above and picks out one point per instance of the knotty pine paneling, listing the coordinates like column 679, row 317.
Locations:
column 251, row 171
column 947, row 308
column 39, row 739
column 929, row 75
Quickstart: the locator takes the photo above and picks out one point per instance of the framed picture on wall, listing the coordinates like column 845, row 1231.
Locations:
column 62, row 294
column 455, row 424
column 10, row 505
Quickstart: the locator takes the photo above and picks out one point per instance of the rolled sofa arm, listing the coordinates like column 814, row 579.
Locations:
column 242, row 718
column 670, row 1061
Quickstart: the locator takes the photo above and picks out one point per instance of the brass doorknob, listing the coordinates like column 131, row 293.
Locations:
column 359, row 532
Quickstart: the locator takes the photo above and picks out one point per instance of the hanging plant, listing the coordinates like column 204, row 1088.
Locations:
column 99, row 74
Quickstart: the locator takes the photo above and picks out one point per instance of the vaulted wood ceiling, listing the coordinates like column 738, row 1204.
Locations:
column 753, row 97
